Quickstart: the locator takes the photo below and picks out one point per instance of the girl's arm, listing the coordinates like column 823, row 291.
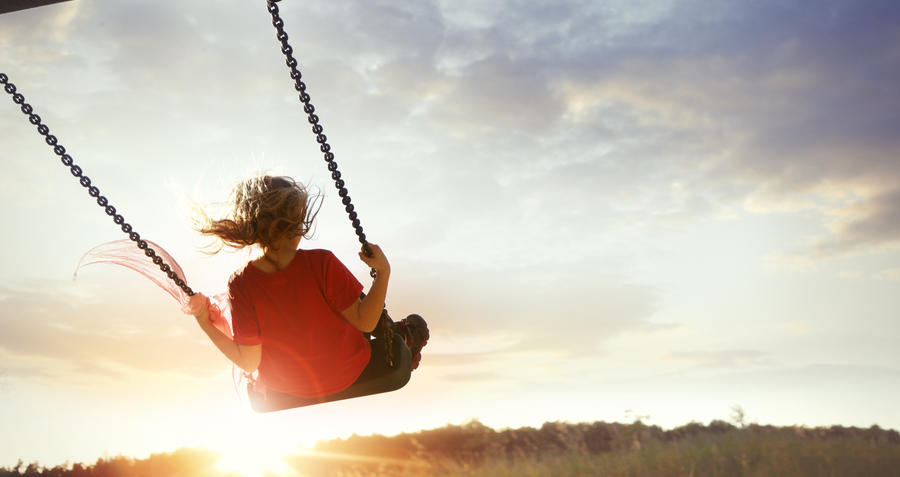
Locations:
column 245, row 357
column 364, row 313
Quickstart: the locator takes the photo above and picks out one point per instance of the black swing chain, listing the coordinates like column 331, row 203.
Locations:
column 384, row 322
column 317, row 129
column 85, row 182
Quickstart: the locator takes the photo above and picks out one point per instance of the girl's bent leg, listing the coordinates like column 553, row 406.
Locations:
column 377, row 377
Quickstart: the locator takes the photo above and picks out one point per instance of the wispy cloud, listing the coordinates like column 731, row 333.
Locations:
column 762, row 107
column 720, row 359
column 889, row 274
column 59, row 332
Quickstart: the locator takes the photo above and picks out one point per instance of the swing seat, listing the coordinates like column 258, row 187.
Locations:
column 376, row 378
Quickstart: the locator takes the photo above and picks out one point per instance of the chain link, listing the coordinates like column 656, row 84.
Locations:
column 85, row 182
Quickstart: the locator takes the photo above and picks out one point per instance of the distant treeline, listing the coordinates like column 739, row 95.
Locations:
column 474, row 442
column 598, row 448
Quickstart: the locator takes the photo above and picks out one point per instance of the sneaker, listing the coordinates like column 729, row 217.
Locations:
column 414, row 331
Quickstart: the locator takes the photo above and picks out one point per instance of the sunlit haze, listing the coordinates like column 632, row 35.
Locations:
column 603, row 209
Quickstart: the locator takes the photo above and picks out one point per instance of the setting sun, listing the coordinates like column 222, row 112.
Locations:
column 255, row 458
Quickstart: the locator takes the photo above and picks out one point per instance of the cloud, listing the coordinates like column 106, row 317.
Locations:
column 778, row 104
column 720, row 358
column 470, row 378
column 61, row 332
column 571, row 309
column 52, row 25
column 890, row 274
column 868, row 224
column 765, row 108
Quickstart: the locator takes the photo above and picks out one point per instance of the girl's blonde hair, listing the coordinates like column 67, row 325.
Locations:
column 263, row 209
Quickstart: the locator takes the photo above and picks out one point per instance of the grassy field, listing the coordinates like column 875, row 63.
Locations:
column 553, row 450
column 734, row 454
column 634, row 450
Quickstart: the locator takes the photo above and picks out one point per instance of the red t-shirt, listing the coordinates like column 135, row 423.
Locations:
column 308, row 348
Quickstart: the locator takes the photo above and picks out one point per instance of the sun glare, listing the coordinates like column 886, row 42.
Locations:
column 255, row 458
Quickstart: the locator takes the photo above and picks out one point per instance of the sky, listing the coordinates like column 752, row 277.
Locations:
column 604, row 209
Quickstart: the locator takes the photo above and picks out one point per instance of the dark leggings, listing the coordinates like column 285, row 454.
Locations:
column 376, row 378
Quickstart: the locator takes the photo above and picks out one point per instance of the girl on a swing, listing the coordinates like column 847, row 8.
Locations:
column 299, row 317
